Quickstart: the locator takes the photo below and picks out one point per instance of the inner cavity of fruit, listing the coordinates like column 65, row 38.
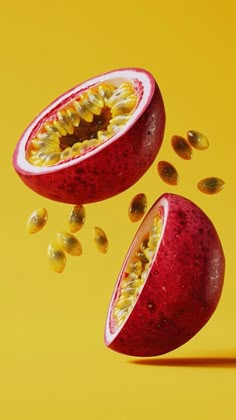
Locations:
column 82, row 124
column 136, row 273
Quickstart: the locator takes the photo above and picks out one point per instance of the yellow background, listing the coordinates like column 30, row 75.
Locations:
column 53, row 363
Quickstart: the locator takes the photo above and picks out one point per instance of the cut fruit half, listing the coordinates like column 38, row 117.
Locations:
column 94, row 141
column 170, row 282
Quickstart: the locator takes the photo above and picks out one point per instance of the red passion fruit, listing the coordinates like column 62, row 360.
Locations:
column 170, row 282
column 94, row 141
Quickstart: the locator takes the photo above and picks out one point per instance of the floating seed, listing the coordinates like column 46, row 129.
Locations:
column 69, row 243
column 211, row 185
column 197, row 140
column 77, row 218
column 37, row 220
column 168, row 173
column 100, row 240
column 181, row 147
column 137, row 207
column 56, row 257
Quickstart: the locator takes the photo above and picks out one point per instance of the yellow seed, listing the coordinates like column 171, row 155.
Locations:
column 118, row 95
column 46, row 136
column 83, row 111
column 37, row 220
column 66, row 153
column 168, row 173
column 134, row 266
column 85, row 145
column 119, row 313
column 121, row 321
column 65, row 121
column 129, row 281
column 181, row 147
column 60, row 129
column 105, row 91
column 197, row 140
column 77, row 218
column 137, row 207
column 49, row 144
column 118, row 122
column 56, row 257
column 124, row 105
column 85, row 101
column 211, row 185
column 155, row 233
column 95, row 98
column 73, row 116
column 69, row 243
column 52, row 158
column 40, row 157
column 105, row 135
column 123, row 303
column 100, row 240
column 51, row 128
column 149, row 253
column 128, row 292
column 76, row 149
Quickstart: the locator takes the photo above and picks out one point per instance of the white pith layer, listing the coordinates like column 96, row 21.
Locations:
column 143, row 230
column 115, row 78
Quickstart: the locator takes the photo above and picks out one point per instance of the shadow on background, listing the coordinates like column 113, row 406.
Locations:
column 203, row 362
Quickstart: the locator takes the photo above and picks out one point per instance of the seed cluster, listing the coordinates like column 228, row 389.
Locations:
column 65, row 242
column 183, row 147
column 82, row 125
column 135, row 274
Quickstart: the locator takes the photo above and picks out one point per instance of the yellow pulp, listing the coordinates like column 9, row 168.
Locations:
column 135, row 274
column 86, row 122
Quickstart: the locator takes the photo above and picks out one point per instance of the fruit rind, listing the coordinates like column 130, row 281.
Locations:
column 183, row 287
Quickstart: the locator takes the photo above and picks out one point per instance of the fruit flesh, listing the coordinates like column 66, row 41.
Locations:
column 110, row 168
column 83, row 124
column 183, row 286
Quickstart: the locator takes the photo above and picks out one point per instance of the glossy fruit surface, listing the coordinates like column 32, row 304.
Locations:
column 181, row 289
column 61, row 157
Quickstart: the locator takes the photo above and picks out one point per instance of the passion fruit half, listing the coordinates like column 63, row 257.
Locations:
column 170, row 283
column 94, row 141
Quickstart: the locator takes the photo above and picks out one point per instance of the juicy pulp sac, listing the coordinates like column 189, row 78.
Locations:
column 136, row 272
column 88, row 120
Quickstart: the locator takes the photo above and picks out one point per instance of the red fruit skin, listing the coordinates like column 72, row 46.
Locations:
column 183, row 287
column 112, row 169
